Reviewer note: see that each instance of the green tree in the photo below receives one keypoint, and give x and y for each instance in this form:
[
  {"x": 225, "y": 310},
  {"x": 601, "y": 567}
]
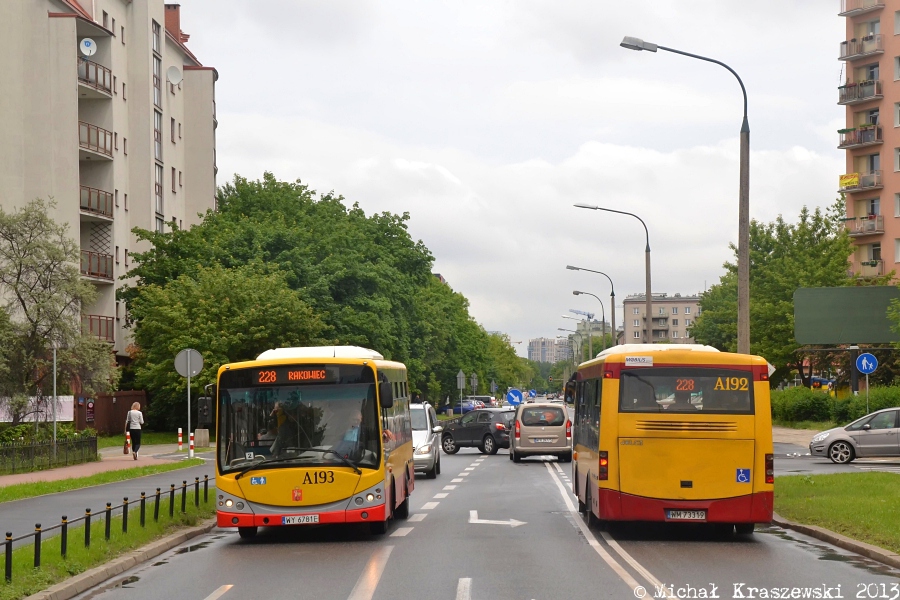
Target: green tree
[{"x": 43, "y": 294}]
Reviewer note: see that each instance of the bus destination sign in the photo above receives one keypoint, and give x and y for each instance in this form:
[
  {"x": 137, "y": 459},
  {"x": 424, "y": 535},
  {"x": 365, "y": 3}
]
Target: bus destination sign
[{"x": 288, "y": 374}]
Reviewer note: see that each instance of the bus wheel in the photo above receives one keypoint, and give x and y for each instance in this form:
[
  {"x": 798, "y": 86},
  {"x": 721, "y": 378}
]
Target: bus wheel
[
  {"x": 402, "y": 511},
  {"x": 745, "y": 528},
  {"x": 247, "y": 533},
  {"x": 378, "y": 527}
]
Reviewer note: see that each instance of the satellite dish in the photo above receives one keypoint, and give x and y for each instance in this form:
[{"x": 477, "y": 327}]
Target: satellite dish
[
  {"x": 88, "y": 47},
  {"x": 173, "y": 75}
]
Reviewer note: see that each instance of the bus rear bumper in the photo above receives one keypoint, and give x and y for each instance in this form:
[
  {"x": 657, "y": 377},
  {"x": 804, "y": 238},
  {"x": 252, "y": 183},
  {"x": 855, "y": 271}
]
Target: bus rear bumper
[
  {"x": 362, "y": 515},
  {"x": 752, "y": 508}
]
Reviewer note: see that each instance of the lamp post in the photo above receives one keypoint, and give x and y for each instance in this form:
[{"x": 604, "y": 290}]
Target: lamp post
[
  {"x": 612, "y": 299},
  {"x": 590, "y": 332},
  {"x": 602, "y": 312},
  {"x": 649, "y": 300},
  {"x": 580, "y": 339},
  {"x": 743, "y": 317}
]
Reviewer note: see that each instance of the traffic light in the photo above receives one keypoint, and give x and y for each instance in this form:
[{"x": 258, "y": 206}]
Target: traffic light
[{"x": 550, "y": 378}]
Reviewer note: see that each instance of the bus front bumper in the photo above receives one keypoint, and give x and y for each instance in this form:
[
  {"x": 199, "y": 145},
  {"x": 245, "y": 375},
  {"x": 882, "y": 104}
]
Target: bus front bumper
[
  {"x": 360, "y": 515},
  {"x": 752, "y": 508}
]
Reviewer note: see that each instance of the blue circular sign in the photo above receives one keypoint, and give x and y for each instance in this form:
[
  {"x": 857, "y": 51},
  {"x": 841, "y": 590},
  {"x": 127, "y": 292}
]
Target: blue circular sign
[
  {"x": 866, "y": 363},
  {"x": 514, "y": 397}
]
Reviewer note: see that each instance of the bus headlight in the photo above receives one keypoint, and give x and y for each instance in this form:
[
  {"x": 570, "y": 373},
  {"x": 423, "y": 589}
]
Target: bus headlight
[
  {"x": 229, "y": 502},
  {"x": 370, "y": 496}
]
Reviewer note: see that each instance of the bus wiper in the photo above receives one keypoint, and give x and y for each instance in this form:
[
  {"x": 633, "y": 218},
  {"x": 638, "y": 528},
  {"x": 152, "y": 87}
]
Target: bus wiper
[{"x": 262, "y": 464}]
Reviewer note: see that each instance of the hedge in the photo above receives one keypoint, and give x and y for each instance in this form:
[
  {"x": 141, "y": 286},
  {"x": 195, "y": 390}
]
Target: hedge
[{"x": 804, "y": 404}]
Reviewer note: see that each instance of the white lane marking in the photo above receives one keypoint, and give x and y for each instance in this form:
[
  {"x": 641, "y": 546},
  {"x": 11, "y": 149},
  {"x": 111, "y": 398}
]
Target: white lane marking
[
  {"x": 457, "y": 480},
  {"x": 473, "y": 518},
  {"x": 558, "y": 468},
  {"x": 429, "y": 505},
  {"x": 450, "y": 487},
  {"x": 589, "y": 536},
  {"x": 416, "y": 518},
  {"x": 441, "y": 495},
  {"x": 401, "y": 531},
  {"x": 631, "y": 561},
  {"x": 470, "y": 468},
  {"x": 464, "y": 589},
  {"x": 219, "y": 592},
  {"x": 371, "y": 575},
  {"x": 463, "y": 474},
  {"x": 475, "y": 464}
]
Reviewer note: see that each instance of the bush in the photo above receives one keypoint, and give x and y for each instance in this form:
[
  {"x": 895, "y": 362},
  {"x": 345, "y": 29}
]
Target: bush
[
  {"x": 879, "y": 397},
  {"x": 801, "y": 404},
  {"x": 28, "y": 433}
]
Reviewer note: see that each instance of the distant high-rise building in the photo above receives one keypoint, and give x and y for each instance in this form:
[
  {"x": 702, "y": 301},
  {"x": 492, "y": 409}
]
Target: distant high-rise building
[
  {"x": 670, "y": 320},
  {"x": 549, "y": 350}
]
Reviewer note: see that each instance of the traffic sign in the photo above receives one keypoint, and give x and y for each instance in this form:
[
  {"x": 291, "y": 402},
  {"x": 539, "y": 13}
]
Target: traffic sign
[
  {"x": 866, "y": 363},
  {"x": 532, "y": 393},
  {"x": 514, "y": 397},
  {"x": 188, "y": 362},
  {"x": 460, "y": 380},
  {"x": 493, "y": 386}
]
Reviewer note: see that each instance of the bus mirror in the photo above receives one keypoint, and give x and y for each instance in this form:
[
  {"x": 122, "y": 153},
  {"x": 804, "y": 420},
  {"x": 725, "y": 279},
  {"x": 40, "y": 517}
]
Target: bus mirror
[{"x": 386, "y": 394}]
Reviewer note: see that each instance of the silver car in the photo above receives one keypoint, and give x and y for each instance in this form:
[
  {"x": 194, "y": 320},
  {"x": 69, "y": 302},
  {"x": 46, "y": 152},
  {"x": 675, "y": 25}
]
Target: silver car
[
  {"x": 877, "y": 434},
  {"x": 426, "y": 439},
  {"x": 540, "y": 429}
]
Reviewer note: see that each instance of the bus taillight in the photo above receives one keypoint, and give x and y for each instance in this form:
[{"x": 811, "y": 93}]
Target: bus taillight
[
  {"x": 770, "y": 468},
  {"x": 568, "y": 430},
  {"x": 518, "y": 431},
  {"x": 603, "y": 471}
]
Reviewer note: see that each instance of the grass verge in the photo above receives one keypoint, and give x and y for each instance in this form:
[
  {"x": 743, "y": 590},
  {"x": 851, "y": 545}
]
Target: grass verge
[
  {"x": 811, "y": 425},
  {"x": 147, "y": 438},
  {"x": 862, "y": 506},
  {"x": 21, "y": 491},
  {"x": 27, "y": 580}
]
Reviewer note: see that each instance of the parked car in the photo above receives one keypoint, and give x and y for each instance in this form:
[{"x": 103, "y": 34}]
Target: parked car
[
  {"x": 484, "y": 428},
  {"x": 876, "y": 434},
  {"x": 426, "y": 435},
  {"x": 540, "y": 429},
  {"x": 467, "y": 405}
]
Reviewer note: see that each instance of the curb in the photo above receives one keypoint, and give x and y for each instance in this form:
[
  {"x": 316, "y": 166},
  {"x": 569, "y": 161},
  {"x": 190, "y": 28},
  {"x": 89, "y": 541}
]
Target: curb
[
  {"x": 84, "y": 581},
  {"x": 868, "y": 550}
]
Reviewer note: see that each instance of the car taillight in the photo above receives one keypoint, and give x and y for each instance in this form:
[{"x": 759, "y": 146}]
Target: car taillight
[
  {"x": 500, "y": 426},
  {"x": 603, "y": 470},
  {"x": 518, "y": 431},
  {"x": 568, "y": 430},
  {"x": 770, "y": 468}
]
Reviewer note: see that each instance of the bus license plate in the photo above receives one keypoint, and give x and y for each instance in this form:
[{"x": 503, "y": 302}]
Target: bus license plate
[
  {"x": 542, "y": 440},
  {"x": 686, "y": 515},
  {"x": 299, "y": 519}
]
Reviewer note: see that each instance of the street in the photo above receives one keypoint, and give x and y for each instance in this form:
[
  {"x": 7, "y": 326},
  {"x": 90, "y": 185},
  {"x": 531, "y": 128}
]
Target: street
[{"x": 490, "y": 528}]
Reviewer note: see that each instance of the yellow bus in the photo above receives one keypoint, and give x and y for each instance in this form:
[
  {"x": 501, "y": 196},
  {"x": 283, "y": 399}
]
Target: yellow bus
[
  {"x": 310, "y": 436},
  {"x": 673, "y": 432}
]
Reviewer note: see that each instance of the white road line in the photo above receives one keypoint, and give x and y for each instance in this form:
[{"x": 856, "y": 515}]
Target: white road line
[
  {"x": 475, "y": 464},
  {"x": 457, "y": 480},
  {"x": 464, "y": 589},
  {"x": 401, "y": 531},
  {"x": 371, "y": 575},
  {"x": 630, "y": 560},
  {"x": 429, "y": 505},
  {"x": 470, "y": 468},
  {"x": 463, "y": 474},
  {"x": 219, "y": 592},
  {"x": 450, "y": 487},
  {"x": 441, "y": 495},
  {"x": 558, "y": 468},
  {"x": 417, "y": 517}
]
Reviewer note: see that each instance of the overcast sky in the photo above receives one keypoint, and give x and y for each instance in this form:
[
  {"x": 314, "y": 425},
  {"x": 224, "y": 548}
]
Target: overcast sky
[{"x": 487, "y": 121}]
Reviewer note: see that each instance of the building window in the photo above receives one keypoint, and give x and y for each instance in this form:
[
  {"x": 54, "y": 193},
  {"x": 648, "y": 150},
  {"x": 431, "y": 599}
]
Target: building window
[
  {"x": 105, "y": 20},
  {"x": 636, "y": 311},
  {"x": 158, "y": 190},
  {"x": 674, "y": 310},
  {"x": 897, "y": 205},
  {"x": 117, "y": 255},
  {"x": 126, "y": 257},
  {"x": 674, "y": 335},
  {"x": 875, "y": 251},
  {"x": 123, "y": 91},
  {"x": 896, "y": 250},
  {"x": 675, "y": 322},
  {"x": 180, "y": 182},
  {"x": 637, "y": 335},
  {"x": 897, "y": 22},
  {"x": 157, "y": 81},
  {"x": 116, "y": 140},
  {"x": 687, "y": 310},
  {"x": 123, "y": 35},
  {"x": 160, "y": 225},
  {"x": 156, "y": 37},
  {"x": 173, "y": 182},
  {"x": 126, "y": 201},
  {"x": 662, "y": 311},
  {"x": 157, "y": 135},
  {"x": 873, "y": 206},
  {"x": 179, "y": 131},
  {"x": 116, "y": 196},
  {"x": 636, "y": 323},
  {"x": 115, "y": 85},
  {"x": 172, "y": 129},
  {"x": 113, "y": 28},
  {"x": 687, "y": 322},
  {"x": 896, "y": 159},
  {"x": 896, "y": 68}
]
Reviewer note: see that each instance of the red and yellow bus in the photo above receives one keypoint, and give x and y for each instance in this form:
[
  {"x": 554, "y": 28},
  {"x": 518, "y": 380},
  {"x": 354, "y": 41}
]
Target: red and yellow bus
[
  {"x": 673, "y": 432},
  {"x": 313, "y": 435}
]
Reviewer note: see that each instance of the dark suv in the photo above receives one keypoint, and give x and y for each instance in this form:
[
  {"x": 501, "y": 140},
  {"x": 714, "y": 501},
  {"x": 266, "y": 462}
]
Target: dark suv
[{"x": 485, "y": 428}]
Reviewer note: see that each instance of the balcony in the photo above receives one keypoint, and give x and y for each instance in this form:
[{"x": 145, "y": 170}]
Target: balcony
[
  {"x": 857, "y": 93},
  {"x": 857, "y": 182},
  {"x": 94, "y": 81},
  {"x": 869, "y": 45},
  {"x": 851, "y": 8},
  {"x": 102, "y": 328},
  {"x": 96, "y": 265},
  {"x": 94, "y": 142},
  {"x": 868, "y": 225},
  {"x": 859, "y": 137},
  {"x": 96, "y": 202},
  {"x": 867, "y": 268}
]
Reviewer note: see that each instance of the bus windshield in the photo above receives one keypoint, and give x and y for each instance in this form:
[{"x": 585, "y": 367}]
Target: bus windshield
[
  {"x": 299, "y": 424},
  {"x": 689, "y": 390}
]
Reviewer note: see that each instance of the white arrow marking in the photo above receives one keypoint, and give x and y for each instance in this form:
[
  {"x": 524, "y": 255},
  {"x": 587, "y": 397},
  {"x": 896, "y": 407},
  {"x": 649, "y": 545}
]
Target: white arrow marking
[{"x": 473, "y": 518}]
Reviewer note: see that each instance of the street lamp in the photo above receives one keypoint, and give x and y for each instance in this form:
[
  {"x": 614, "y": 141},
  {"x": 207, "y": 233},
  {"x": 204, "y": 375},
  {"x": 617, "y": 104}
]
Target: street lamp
[
  {"x": 649, "y": 298},
  {"x": 602, "y": 312},
  {"x": 743, "y": 320},
  {"x": 612, "y": 299}
]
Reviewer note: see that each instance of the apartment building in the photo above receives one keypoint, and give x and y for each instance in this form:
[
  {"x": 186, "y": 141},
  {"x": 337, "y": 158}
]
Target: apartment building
[
  {"x": 548, "y": 349},
  {"x": 106, "y": 111},
  {"x": 670, "y": 319},
  {"x": 872, "y": 192}
]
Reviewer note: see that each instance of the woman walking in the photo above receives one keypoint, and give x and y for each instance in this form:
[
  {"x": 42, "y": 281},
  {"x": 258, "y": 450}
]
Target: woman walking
[{"x": 133, "y": 422}]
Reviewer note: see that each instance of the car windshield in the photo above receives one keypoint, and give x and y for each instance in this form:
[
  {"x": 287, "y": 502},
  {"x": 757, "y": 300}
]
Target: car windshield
[
  {"x": 543, "y": 416},
  {"x": 295, "y": 422},
  {"x": 419, "y": 422},
  {"x": 686, "y": 390}
]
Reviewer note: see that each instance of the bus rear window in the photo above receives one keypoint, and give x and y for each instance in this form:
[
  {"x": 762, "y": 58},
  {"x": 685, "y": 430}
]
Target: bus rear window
[{"x": 690, "y": 390}]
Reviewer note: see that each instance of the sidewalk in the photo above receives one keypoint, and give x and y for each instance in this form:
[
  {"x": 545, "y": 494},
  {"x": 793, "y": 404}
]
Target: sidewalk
[{"x": 797, "y": 437}]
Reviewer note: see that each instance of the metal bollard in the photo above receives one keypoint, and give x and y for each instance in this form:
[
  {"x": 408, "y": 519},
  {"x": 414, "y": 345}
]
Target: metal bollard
[
  {"x": 205, "y": 489},
  {"x": 125, "y": 515},
  {"x": 183, "y": 496},
  {"x": 156, "y": 508},
  {"x": 171, "y": 500},
  {"x": 87, "y": 528},
  {"x": 196, "y": 491},
  {"x": 108, "y": 517},
  {"x": 64, "y": 536},
  {"x": 143, "y": 507},
  {"x": 8, "y": 556},
  {"x": 37, "y": 545}
]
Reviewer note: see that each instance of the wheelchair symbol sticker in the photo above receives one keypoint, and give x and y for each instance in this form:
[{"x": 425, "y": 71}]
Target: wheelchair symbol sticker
[{"x": 743, "y": 476}]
